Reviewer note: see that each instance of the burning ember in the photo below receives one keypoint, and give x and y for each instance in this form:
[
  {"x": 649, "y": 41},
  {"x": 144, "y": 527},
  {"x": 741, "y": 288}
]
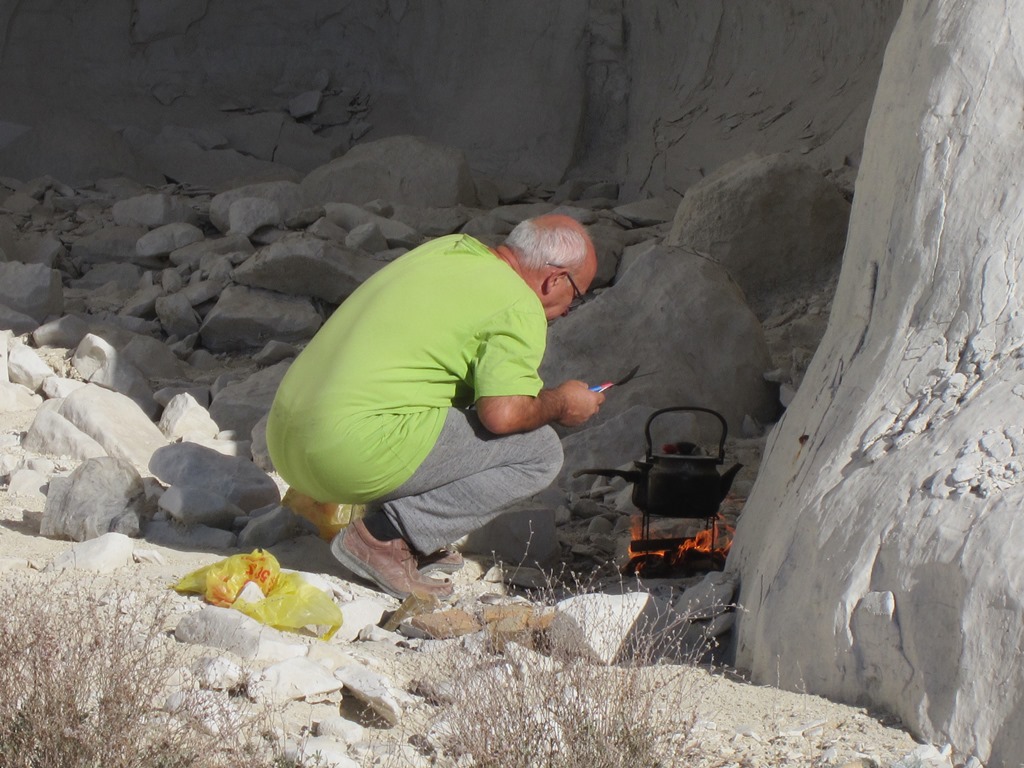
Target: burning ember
[{"x": 705, "y": 551}]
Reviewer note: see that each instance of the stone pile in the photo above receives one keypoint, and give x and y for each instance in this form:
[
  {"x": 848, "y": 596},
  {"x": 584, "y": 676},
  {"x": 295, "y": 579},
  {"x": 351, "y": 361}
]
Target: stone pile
[
  {"x": 146, "y": 330},
  {"x": 147, "y": 317}
]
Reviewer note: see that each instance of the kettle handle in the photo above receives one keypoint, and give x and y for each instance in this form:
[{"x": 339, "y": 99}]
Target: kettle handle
[{"x": 716, "y": 414}]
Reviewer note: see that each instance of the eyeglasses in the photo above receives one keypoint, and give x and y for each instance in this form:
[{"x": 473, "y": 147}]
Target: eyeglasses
[{"x": 577, "y": 294}]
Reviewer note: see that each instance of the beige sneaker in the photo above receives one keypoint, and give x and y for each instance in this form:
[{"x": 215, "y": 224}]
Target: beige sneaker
[{"x": 391, "y": 565}]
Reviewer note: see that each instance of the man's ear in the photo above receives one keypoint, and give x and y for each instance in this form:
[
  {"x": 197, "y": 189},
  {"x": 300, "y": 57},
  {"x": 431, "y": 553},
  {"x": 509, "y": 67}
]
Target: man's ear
[{"x": 549, "y": 283}]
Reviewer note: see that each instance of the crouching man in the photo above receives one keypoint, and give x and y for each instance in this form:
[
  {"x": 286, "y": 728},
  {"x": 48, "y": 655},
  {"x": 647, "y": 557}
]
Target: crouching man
[{"x": 376, "y": 410}]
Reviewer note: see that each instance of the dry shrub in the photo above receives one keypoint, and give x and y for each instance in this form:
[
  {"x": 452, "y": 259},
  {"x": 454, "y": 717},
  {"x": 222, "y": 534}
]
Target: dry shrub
[
  {"x": 83, "y": 678},
  {"x": 556, "y": 708}
]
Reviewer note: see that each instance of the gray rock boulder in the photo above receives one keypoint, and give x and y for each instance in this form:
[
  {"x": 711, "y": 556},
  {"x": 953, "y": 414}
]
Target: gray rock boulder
[
  {"x": 192, "y": 255},
  {"x": 153, "y": 358},
  {"x": 114, "y": 421},
  {"x": 66, "y": 332},
  {"x": 610, "y": 628},
  {"x": 609, "y": 243},
  {"x": 58, "y": 387},
  {"x": 102, "y": 495},
  {"x": 104, "y": 554},
  {"x": 247, "y": 318},
  {"x": 432, "y": 222},
  {"x": 31, "y": 247},
  {"x": 122, "y": 274},
  {"x": 775, "y": 224},
  {"x": 287, "y": 196},
  {"x": 153, "y": 210},
  {"x": 239, "y": 406},
  {"x": 275, "y": 526},
  {"x": 184, "y": 416},
  {"x": 685, "y": 323},
  {"x": 100, "y": 363},
  {"x": 884, "y": 523},
  {"x": 190, "y": 505},
  {"x": 367, "y": 237},
  {"x": 522, "y": 535},
  {"x": 91, "y": 354},
  {"x": 18, "y": 322},
  {"x": 194, "y": 466},
  {"x": 31, "y": 289},
  {"x": 255, "y": 134},
  {"x": 111, "y": 244},
  {"x": 645, "y": 213},
  {"x": 300, "y": 148},
  {"x": 403, "y": 169},
  {"x": 14, "y": 397},
  {"x": 351, "y": 217},
  {"x": 233, "y": 631},
  {"x": 299, "y": 265},
  {"x": 176, "y": 314},
  {"x": 25, "y": 367},
  {"x": 249, "y": 214},
  {"x": 167, "y": 238},
  {"x": 52, "y": 434},
  {"x": 143, "y": 302}
]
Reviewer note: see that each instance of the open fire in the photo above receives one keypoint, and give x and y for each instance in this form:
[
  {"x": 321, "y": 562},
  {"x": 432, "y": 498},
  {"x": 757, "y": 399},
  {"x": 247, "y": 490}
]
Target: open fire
[
  {"x": 683, "y": 556},
  {"x": 680, "y": 482}
]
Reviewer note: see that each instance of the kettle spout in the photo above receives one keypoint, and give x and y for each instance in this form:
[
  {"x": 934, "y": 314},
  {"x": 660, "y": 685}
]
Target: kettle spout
[{"x": 725, "y": 481}]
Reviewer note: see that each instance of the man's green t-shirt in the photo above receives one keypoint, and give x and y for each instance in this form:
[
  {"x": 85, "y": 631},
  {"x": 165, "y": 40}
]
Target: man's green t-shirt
[{"x": 363, "y": 404}]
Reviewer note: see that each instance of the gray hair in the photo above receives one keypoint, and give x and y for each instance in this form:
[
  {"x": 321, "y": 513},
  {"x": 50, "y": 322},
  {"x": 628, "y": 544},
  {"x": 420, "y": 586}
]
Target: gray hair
[{"x": 538, "y": 245}]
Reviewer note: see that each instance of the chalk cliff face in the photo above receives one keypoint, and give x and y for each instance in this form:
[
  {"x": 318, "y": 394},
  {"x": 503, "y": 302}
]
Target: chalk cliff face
[
  {"x": 651, "y": 93},
  {"x": 885, "y": 523}
]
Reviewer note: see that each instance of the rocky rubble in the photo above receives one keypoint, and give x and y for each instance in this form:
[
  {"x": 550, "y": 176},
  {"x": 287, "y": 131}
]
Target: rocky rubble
[{"x": 148, "y": 327}]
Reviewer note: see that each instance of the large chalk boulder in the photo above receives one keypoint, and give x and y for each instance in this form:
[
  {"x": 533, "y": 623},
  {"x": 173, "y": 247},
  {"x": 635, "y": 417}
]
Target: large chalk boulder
[{"x": 880, "y": 554}]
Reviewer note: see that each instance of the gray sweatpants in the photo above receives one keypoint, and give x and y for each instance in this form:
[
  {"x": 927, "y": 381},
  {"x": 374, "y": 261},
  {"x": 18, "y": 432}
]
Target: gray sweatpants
[{"x": 468, "y": 478}]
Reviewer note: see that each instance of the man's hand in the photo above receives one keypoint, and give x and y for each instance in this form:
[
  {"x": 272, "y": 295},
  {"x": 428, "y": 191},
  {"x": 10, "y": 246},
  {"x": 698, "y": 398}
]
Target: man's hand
[
  {"x": 579, "y": 403},
  {"x": 569, "y": 404}
]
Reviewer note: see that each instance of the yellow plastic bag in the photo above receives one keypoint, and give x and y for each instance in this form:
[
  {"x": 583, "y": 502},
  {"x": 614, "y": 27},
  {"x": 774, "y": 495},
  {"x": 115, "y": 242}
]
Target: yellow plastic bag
[
  {"x": 294, "y": 603},
  {"x": 289, "y": 602},
  {"x": 327, "y": 517},
  {"x": 221, "y": 582}
]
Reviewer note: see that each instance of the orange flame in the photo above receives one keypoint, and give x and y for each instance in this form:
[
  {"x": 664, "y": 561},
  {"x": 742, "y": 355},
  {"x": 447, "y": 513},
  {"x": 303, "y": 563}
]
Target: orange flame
[{"x": 715, "y": 541}]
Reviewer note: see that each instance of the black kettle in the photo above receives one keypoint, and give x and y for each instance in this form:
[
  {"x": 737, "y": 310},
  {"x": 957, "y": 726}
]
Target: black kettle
[{"x": 679, "y": 481}]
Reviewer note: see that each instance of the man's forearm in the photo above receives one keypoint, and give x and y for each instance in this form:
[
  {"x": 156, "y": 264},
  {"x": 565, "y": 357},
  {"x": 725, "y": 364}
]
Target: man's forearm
[
  {"x": 508, "y": 414},
  {"x": 570, "y": 404}
]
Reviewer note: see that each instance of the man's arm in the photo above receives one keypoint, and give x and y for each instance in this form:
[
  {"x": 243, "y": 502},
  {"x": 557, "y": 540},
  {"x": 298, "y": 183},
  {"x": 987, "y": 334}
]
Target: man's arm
[{"x": 569, "y": 404}]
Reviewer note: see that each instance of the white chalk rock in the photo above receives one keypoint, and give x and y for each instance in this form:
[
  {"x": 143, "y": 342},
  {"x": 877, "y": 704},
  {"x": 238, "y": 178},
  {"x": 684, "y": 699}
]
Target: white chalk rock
[{"x": 104, "y": 554}]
